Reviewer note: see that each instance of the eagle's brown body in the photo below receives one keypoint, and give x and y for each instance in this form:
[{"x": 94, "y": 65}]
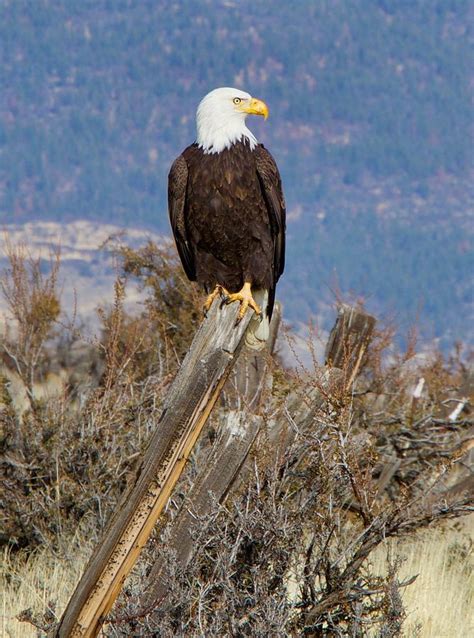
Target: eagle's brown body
[{"x": 228, "y": 217}]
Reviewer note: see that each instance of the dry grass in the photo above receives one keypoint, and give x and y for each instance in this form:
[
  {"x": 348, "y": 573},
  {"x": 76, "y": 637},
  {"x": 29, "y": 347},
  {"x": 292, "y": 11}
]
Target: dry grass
[
  {"x": 32, "y": 581},
  {"x": 439, "y": 603}
]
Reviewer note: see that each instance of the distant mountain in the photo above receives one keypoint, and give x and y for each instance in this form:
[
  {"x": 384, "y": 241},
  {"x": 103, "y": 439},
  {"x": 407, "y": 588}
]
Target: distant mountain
[
  {"x": 87, "y": 273},
  {"x": 370, "y": 120}
]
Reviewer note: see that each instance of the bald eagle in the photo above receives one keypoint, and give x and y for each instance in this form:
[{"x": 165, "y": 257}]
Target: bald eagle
[{"x": 227, "y": 209}]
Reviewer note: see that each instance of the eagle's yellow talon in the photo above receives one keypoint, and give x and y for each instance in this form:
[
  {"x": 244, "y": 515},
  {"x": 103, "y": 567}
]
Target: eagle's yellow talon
[
  {"x": 218, "y": 291},
  {"x": 244, "y": 297}
]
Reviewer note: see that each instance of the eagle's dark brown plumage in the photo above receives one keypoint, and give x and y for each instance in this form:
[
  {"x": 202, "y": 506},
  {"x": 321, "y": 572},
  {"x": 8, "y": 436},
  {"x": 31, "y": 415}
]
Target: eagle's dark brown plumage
[
  {"x": 228, "y": 217},
  {"x": 227, "y": 209}
]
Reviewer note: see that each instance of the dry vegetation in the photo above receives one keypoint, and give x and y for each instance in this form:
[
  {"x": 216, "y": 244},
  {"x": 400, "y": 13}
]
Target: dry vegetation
[
  {"x": 439, "y": 601},
  {"x": 296, "y": 549},
  {"x": 436, "y": 603}
]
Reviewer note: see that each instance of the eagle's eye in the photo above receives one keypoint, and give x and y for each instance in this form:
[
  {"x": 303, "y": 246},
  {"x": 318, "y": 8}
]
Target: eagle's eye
[{"x": 237, "y": 100}]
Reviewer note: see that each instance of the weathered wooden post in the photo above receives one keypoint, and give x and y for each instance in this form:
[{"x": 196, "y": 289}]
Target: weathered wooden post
[
  {"x": 348, "y": 341},
  {"x": 192, "y": 395},
  {"x": 217, "y": 474}
]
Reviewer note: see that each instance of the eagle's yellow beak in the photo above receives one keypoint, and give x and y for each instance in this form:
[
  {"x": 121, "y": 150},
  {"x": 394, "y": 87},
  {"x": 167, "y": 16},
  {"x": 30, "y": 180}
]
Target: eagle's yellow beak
[{"x": 256, "y": 107}]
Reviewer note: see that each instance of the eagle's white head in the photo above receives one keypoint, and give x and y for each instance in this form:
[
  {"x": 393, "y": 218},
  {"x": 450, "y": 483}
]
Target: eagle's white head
[{"x": 220, "y": 119}]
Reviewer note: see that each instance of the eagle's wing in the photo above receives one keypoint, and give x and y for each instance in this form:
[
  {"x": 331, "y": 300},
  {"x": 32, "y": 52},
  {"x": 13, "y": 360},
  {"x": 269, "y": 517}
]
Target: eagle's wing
[
  {"x": 270, "y": 182},
  {"x": 177, "y": 184}
]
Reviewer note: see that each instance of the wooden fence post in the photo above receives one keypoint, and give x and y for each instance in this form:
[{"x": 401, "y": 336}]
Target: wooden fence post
[
  {"x": 185, "y": 411},
  {"x": 348, "y": 341},
  {"x": 218, "y": 472}
]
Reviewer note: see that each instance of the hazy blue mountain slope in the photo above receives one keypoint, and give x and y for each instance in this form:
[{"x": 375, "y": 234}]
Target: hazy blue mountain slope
[{"x": 370, "y": 116}]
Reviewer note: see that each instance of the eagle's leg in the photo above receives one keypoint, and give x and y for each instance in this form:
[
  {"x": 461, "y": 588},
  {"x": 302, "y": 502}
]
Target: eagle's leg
[
  {"x": 244, "y": 297},
  {"x": 218, "y": 291}
]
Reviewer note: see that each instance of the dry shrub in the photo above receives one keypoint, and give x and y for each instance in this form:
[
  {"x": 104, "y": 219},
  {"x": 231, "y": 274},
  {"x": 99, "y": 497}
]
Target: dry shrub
[
  {"x": 335, "y": 473},
  {"x": 67, "y": 456},
  {"x": 287, "y": 554},
  {"x": 33, "y": 304},
  {"x": 173, "y": 303}
]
